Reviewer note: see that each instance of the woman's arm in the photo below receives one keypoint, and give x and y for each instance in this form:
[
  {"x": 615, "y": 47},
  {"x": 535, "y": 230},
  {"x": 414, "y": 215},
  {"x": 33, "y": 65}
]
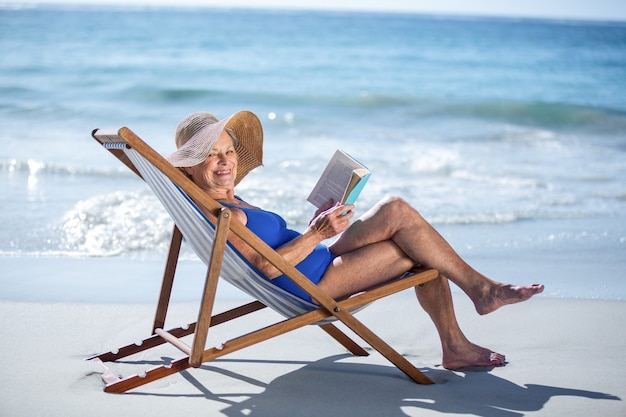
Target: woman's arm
[{"x": 325, "y": 225}]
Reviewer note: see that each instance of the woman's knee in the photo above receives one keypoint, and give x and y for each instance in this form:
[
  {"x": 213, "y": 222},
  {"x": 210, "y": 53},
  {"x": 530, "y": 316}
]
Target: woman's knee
[{"x": 398, "y": 207}]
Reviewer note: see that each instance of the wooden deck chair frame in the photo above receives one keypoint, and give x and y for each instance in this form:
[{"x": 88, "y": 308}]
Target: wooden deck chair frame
[{"x": 197, "y": 353}]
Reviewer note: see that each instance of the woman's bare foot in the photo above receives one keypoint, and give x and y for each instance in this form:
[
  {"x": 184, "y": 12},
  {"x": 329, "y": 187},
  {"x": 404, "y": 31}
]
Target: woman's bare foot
[
  {"x": 471, "y": 356},
  {"x": 503, "y": 294}
]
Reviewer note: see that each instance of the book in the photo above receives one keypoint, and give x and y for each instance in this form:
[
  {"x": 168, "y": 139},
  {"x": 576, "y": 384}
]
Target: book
[{"x": 342, "y": 181}]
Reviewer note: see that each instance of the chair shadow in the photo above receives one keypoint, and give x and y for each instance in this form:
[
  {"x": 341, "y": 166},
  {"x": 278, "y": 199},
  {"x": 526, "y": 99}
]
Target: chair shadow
[{"x": 332, "y": 387}]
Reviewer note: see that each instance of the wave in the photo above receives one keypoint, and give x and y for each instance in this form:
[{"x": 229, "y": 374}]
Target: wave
[
  {"x": 169, "y": 95},
  {"x": 542, "y": 114},
  {"x": 536, "y": 114},
  {"x": 351, "y": 104},
  {"x": 545, "y": 114},
  {"x": 40, "y": 168},
  {"x": 134, "y": 224},
  {"x": 115, "y": 224}
]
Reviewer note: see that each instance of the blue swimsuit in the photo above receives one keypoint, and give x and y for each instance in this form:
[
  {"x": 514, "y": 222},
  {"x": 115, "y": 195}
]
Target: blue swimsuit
[{"x": 272, "y": 229}]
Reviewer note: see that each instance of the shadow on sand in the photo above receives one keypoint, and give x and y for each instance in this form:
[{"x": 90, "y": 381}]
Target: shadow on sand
[{"x": 332, "y": 387}]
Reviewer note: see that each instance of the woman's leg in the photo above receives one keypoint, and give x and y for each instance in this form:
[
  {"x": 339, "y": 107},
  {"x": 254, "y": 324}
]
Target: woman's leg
[
  {"x": 363, "y": 268},
  {"x": 394, "y": 219},
  {"x": 458, "y": 352},
  {"x": 379, "y": 262}
]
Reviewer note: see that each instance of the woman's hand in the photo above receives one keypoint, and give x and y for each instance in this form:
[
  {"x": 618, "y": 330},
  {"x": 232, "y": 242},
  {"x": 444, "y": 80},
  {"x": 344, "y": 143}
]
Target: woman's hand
[
  {"x": 322, "y": 209},
  {"x": 327, "y": 223},
  {"x": 331, "y": 220}
]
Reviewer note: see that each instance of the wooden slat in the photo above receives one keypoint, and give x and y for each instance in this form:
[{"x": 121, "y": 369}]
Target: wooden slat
[
  {"x": 153, "y": 374},
  {"x": 179, "y": 332},
  {"x": 108, "y": 135},
  {"x": 174, "y": 341},
  {"x": 210, "y": 287},
  {"x": 342, "y": 338},
  {"x": 168, "y": 279}
]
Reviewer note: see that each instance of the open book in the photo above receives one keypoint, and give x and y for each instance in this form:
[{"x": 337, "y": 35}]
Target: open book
[{"x": 342, "y": 181}]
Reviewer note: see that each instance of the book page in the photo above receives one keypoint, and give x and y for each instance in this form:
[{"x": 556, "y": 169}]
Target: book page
[{"x": 335, "y": 179}]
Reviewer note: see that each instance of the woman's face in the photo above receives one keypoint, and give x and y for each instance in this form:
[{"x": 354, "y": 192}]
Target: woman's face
[{"x": 219, "y": 169}]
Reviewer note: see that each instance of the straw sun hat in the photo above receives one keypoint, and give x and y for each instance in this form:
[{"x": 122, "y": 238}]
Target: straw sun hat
[{"x": 197, "y": 133}]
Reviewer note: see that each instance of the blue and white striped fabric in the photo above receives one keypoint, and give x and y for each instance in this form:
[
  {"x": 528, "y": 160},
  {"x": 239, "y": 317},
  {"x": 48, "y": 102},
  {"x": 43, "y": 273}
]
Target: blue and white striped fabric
[{"x": 199, "y": 233}]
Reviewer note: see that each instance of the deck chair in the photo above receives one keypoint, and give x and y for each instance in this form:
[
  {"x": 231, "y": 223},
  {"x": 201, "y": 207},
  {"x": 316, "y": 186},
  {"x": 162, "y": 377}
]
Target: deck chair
[{"x": 182, "y": 199}]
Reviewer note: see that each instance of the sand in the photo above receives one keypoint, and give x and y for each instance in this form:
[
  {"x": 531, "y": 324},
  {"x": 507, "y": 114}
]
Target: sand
[{"x": 565, "y": 357}]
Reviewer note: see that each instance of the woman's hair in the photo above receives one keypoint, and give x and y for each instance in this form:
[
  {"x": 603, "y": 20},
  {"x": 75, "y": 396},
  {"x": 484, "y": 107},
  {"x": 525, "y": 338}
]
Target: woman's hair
[
  {"x": 184, "y": 171},
  {"x": 232, "y": 135}
]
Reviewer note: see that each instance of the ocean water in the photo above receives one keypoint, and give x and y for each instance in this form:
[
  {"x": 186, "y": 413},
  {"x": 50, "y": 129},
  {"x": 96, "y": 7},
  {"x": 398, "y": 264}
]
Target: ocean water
[{"x": 509, "y": 135}]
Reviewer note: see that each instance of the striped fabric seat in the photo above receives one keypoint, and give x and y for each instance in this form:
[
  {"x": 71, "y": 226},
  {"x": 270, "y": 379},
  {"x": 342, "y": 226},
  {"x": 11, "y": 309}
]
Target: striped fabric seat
[{"x": 199, "y": 232}]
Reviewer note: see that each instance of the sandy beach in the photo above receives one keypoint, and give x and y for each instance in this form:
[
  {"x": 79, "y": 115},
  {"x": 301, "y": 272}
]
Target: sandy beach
[{"x": 564, "y": 357}]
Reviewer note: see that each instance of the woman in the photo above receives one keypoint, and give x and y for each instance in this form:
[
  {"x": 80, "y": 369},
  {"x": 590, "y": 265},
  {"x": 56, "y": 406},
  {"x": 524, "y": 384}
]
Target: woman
[{"x": 387, "y": 241}]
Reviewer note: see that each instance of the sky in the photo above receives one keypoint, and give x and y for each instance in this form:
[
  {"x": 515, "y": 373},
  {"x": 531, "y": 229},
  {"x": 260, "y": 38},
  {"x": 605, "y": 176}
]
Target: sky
[{"x": 566, "y": 9}]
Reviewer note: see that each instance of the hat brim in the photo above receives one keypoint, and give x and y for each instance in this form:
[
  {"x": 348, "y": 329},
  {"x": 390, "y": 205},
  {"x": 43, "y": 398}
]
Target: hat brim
[{"x": 249, "y": 132}]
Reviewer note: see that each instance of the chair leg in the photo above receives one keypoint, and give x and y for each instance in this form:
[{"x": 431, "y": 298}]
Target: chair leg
[
  {"x": 387, "y": 351},
  {"x": 210, "y": 288},
  {"x": 168, "y": 280},
  {"x": 342, "y": 338}
]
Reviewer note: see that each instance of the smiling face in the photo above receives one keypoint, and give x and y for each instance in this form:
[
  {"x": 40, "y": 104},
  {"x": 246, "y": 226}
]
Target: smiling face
[{"x": 218, "y": 171}]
